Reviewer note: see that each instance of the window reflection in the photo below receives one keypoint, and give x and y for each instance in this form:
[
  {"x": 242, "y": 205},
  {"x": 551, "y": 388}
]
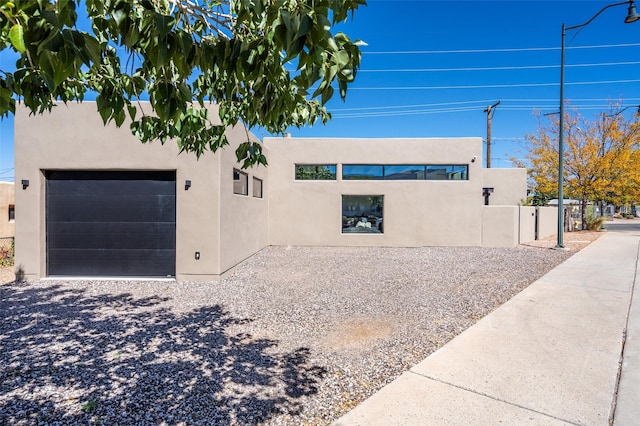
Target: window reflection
[
  {"x": 362, "y": 214},
  {"x": 315, "y": 172},
  {"x": 362, "y": 172},
  {"x": 240, "y": 182},
  {"x": 448, "y": 172},
  {"x": 404, "y": 172}
]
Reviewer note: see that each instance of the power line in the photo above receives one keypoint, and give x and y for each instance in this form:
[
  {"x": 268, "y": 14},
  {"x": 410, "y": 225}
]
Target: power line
[
  {"x": 410, "y": 106},
  {"x": 451, "y": 110},
  {"x": 480, "y": 101},
  {"x": 522, "y": 49},
  {"x": 502, "y": 68},
  {"x": 493, "y": 86},
  {"x": 401, "y": 113}
]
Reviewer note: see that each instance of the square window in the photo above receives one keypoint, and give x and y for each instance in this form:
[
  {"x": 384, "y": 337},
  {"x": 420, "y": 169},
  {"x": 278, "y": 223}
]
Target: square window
[
  {"x": 257, "y": 187},
  {"x": 362, "y": 214},
  {"x": 240, "y": 182}
]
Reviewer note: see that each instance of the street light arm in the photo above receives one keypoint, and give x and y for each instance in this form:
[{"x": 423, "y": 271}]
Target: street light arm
[
  {"x": 624, "y": 109},
  {"x": 630, "y": 2}
]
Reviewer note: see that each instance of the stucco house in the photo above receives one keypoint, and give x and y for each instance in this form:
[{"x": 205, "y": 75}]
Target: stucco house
[
  {"x": 97, "y": 202},
  {"x": 7, "y": 209}
]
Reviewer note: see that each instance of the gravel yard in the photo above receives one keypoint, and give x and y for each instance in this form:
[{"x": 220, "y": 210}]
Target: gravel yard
[{"x": 293, "y": 335}]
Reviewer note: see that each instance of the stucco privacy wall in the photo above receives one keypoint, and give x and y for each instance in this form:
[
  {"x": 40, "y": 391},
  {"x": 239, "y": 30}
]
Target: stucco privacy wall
[
  {"x": 73, "y": 137},
  {"x": 510, "y": 186},
  {"x": 500, "y": 226},
  {"x": 526, "y": 224},
  {"x": 416, "y": 213},
  {"x": 7, "y": 200},
  {"x": 547, "y": 221}
]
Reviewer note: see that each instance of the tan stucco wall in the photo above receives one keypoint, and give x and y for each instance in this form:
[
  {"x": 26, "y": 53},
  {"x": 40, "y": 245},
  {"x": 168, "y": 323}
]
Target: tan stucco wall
[
  {"x": 500, "y": 226},
  {"x": 416, "y": 213},
  {"x": 547, "y": 221},
  {"x": 73, "y": 138},
  {"x": 510, "y": 186},
  {"x": 7, "y": 198},
  {"x": 227, "y": 228},
  {"x": 527, "y": 225},
  {"x": 243, "y": 218}
]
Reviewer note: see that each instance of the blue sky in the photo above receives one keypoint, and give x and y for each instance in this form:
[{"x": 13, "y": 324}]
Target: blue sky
[{"x": 431, "y": 68}]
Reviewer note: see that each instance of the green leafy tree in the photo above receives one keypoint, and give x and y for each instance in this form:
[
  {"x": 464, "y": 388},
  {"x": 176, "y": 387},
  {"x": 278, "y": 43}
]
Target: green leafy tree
[{"x": 181, "y": 54}]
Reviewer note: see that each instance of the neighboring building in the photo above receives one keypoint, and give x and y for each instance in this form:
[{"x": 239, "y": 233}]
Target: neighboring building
[
  {"x": 100, "y": 203},
  {"x": 7, "y": 209}
]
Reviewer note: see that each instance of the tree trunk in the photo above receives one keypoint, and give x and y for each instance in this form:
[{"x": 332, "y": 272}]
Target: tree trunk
[{"x": 583, "y": 213}]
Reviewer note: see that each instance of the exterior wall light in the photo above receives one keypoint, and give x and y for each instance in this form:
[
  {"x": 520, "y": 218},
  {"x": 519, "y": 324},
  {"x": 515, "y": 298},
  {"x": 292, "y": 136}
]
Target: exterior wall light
[
  {"x": 486, "y": 193},
  {"x": 187, "y": 184},
  {"x": 25, "y": 183}
]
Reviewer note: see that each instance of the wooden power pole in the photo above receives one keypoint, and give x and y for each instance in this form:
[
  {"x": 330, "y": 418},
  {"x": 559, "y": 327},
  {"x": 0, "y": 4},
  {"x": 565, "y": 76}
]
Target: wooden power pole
[{"x": 490, "y": 110}]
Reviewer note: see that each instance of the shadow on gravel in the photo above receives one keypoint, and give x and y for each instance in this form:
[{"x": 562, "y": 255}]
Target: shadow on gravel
[{"x": 75, "y": 358}]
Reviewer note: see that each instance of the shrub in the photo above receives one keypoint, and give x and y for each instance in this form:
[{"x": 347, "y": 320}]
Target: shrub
[{"x": 594, "y": 223}]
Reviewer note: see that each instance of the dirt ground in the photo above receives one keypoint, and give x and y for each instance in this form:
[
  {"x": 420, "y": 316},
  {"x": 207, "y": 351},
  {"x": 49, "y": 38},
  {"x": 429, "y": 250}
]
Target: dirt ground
[
  {"x": 574, "y": 241},
  {"x": 7, "y": 275}
]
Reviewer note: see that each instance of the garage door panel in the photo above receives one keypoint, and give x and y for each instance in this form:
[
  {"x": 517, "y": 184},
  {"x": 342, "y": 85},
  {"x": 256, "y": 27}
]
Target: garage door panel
[
  {"x": 111, "y": 223},
  {"x": 135, "y": 188},
  {"x": 112, "y": 235},
  {"x": 95, "y": 208},
  {"x": 114, "y": 263}
]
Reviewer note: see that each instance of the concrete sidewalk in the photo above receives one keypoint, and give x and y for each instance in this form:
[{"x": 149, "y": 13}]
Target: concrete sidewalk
[{"x": 551, "y": 355}]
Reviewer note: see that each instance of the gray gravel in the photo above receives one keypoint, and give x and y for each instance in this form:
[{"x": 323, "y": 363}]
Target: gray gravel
[{"x": 291, "y": 336}]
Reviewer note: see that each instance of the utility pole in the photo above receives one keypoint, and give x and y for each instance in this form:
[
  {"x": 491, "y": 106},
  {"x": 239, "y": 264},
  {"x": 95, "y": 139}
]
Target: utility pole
[{"x": 490, "y": 110}]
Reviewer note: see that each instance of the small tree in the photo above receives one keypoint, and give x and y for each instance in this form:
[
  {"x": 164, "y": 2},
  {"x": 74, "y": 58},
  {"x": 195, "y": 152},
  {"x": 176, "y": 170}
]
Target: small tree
[
  {"x": 181, "y": 54},
  {"x": 600, "y": 159}
]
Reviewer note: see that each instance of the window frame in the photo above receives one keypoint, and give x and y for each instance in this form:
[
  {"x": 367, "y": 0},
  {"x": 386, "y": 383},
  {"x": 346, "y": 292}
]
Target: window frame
[
  {"x": 260, "y": 185},
  {"x": 11, "y": 212},
  {"x": 414, "y": 166},
  {"x": 316, "y": 176},
  {"x": 364, "y": 177},
  {"x": 244, "y": 187},
  {"x": 356, "y": 220},
  {"x": 447, "y": 172}
]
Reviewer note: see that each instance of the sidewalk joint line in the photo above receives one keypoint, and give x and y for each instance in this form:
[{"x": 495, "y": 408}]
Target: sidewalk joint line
[{"x": 494, "y": 398}]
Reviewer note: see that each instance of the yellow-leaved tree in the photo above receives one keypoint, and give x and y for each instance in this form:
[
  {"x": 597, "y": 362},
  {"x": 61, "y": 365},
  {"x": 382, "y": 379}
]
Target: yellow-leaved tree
[{"x": 601, "y": 158}]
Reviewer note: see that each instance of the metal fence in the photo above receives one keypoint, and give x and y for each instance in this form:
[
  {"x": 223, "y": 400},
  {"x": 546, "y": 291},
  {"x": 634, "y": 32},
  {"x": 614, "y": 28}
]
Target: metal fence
[{"x": 7, "y": 246}]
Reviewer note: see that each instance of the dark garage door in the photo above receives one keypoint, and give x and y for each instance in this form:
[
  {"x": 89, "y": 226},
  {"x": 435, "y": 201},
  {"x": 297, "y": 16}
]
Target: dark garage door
[{"x": 111, "y": 223}]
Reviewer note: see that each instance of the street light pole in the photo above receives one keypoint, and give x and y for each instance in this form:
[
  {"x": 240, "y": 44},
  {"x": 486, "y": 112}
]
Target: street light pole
[
  {"x": 632, "y": 16},
  {"x": 560, "y": 242}
]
